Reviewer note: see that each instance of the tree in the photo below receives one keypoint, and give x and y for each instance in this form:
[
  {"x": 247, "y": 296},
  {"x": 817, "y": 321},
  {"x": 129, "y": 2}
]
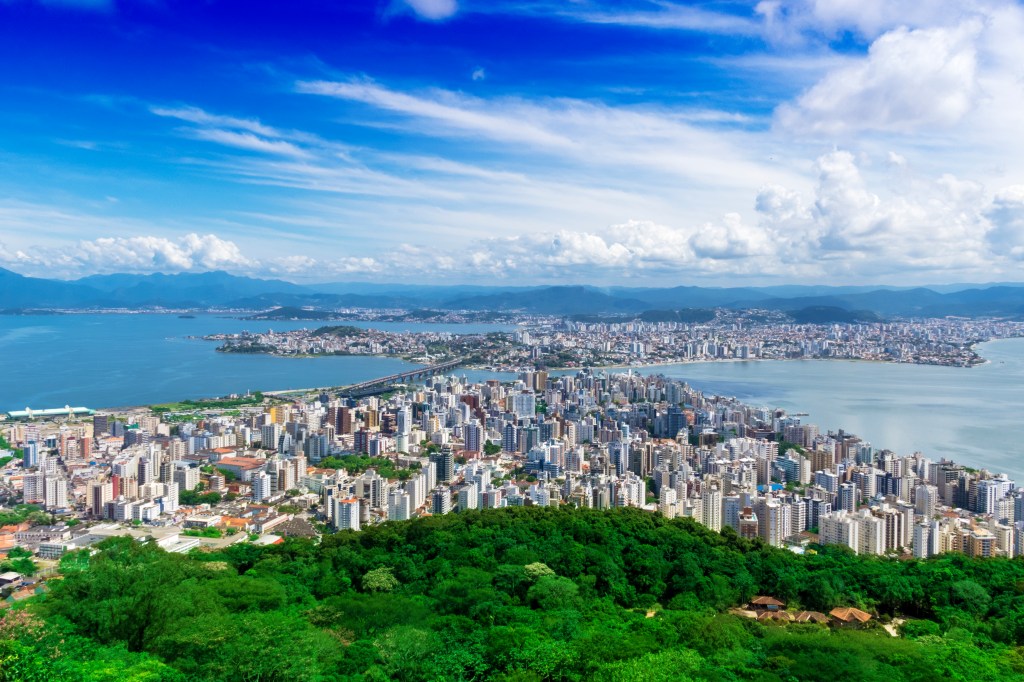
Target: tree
[
  {"x": 552, "y": 592},
  {"x": 380, "y": 580},
  {"x": 527, "y": 593},
  {"x": 18, "y": 553},
  {"x": 536, "y": 571},
  {"x": 23, "y": 565}
]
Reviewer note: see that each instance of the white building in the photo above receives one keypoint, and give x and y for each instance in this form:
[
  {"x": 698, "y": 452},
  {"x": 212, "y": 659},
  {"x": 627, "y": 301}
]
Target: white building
[
  {"x": 262, "y": 486},
  {"x": 346, "y": 513}
]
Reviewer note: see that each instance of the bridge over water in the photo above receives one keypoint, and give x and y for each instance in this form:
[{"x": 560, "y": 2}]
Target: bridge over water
[{"x": 384, "y": 384}]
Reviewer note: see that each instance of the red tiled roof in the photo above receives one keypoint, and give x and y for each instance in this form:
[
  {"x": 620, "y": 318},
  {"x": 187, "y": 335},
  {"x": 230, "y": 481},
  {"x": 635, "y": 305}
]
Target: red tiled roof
[
  {"x": 811, "y": 617},
  {"x": 850, "y": 614}
]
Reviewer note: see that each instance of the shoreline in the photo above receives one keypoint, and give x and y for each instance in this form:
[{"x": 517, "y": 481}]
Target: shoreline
[
  {"x": 624, "y": 367},
  {"x": 973, "y": 456},
  {"x": 475, "y": 368}
]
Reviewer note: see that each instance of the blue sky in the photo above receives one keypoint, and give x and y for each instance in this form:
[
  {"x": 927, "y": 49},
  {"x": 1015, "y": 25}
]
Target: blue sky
[{"x": 629, "y": 142}]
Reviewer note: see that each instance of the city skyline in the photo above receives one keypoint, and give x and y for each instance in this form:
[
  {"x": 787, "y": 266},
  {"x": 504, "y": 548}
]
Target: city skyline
[{"x": 722, "y": 144}]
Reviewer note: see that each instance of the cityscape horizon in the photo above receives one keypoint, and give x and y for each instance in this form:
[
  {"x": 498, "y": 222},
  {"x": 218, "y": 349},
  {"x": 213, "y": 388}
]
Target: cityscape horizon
[{"x": 511, "y": 340}]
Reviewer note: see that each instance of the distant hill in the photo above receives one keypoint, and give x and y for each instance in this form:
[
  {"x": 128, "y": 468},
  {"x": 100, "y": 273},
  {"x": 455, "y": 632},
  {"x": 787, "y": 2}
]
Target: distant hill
[
  {"x": 824, "y": 314},
  {"x": 292, "y": 313},
  {"x": 224, "y": 290},
  {"x": 687, "y": 315},
  {"x": 692, "y": 297},
  {"x": 556, "y": 300},
  {"x": 199, "y": 289},
  {"x": 18, "y": 291}
]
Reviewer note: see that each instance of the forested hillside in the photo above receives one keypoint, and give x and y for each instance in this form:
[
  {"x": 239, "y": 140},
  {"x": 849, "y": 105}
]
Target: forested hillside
[{"x": 513, "y": 594}]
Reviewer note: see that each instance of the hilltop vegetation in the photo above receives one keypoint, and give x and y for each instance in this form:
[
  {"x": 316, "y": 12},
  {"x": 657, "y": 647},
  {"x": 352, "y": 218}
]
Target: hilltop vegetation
[
  {"x": 341, "y": 331},
  {"x": 255, "y": 398},
  {"x": 513, "y": 594},
  {"x": 292, "y": 313},
  {"x": 827, "y": 314}
]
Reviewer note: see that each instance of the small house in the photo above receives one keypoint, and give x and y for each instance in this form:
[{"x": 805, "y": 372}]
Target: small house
[
  {"x": 849, "y": 617},
  {"x": 767, "y": 604},
  {"x": 9, "y": 578},
  {"x": 811, "y": 617}
]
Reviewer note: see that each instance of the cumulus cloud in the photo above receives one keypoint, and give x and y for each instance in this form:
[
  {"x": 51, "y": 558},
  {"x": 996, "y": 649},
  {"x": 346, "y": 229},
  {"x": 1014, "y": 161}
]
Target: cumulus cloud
[
  {"x": 731, "y": 239},
  {"x": 847, "y": 228},
  {"x": 136, "y": 254},
  {"x": 157, "y": 254},
  {"x": 846, "y": 211},
  {"x": 934, "y": 224},
  {"x": 433, "y": 10},
  {"x": 1006, "y": 215},
  {"x": 910, "y": 80}
]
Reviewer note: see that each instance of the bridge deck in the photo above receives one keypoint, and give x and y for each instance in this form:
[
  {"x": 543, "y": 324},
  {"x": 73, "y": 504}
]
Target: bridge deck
[{"x": 403, "y": 376}]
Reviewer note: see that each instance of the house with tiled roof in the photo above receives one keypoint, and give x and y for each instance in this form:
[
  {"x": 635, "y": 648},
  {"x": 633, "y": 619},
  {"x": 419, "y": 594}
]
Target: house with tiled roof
[
  {"x": 763, "y": 603},
  {"x": 849, "y": 617}
]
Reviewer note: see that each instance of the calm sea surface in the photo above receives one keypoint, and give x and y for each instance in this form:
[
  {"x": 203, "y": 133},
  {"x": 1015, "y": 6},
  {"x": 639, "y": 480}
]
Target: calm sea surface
[
  {"x": 115, "y": 360},
  {"x": 972, "y": 415},
  {"x": 975, "y": 415}
]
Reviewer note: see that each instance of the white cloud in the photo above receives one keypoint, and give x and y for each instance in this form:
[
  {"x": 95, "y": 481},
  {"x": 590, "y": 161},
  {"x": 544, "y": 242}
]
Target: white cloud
[
  {"x": 1007, "y": 217},
  {"x": 662, "y": 16},
  {"x": 479, "y": 74},
  {"x": 786, "y": 20},
  {"x": 851, "y": 223},
  {"x": 197, "y": 115},
  {"x": 250, "y": 142},
  {"x": 42, "y": 244},
  {"x": 156, "y": 254},
  {"x": 667, "y": 144},
  {"x": 433, "y": 10},
  {"x": 454, "y": 111},
  {"x": 731, "y": 239},
  {"x": 909, "y": 81},
  {"x": 248, "y": 133},
  {"x": 780, "y": 22},
  {"x": 933, "y": 225},
  {"x": 844, "y": 230}
]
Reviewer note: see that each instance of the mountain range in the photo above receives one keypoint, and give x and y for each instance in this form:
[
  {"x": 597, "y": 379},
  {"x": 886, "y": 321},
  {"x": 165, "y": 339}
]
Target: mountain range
[{"x": 221, "y": 290}]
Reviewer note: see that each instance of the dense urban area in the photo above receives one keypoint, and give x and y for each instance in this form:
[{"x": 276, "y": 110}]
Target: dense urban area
[
  {"x": 253, "y": 468},
  {"x": 222, "y": 483},
  {"x": 541, "y": 343}
]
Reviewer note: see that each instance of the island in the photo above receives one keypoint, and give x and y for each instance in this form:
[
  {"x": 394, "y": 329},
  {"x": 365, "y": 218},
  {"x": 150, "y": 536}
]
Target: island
[{"x": 543, "y": 342}]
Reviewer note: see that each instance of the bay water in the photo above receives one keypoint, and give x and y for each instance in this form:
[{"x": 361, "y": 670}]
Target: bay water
[{"x": 972, "y": 415}]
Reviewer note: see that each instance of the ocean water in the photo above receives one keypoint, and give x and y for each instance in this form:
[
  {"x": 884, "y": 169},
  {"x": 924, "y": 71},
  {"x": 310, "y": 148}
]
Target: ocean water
[
  {"x": 973, "y": 415},
  {"x": 118, "y": 360}
]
